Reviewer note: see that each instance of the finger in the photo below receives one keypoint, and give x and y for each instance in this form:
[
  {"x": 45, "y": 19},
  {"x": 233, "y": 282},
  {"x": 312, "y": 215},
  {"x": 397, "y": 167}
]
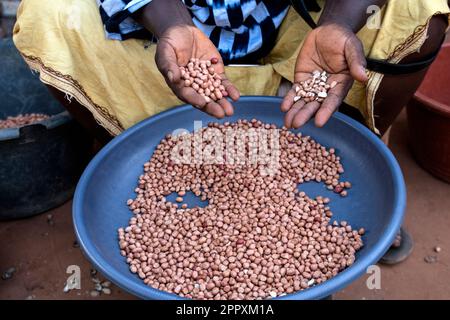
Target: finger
[
  {"x": 328, "y": 107},
  {"x": 233, "y": 92},
  {"x": 288, "y": 100},
  {"x": 305, "y": 114},
  {"x": 226, "y": 106},
  {"x": 167, "y": 63},
  {"x": 354, "y": 54},
  {"x": 215, "y": 110},
  {"x": 189, "y": 95},
  {"x": 332, "y": 102},
  {"x": 289, "y": 117}
]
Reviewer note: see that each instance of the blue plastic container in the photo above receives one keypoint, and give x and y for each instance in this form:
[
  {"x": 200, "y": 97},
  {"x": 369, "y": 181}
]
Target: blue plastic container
[{"x": 376, "y": 201}]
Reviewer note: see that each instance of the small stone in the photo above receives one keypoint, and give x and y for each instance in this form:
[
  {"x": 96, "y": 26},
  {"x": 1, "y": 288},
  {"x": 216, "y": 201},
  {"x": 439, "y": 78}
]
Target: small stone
[
  {"x": 8, "y": 274},
  {"x": 311, "y": 282},
  {"x": 75, "y": 244},
  {"x": 296, "y": 98},
  {"x": 98, "y": 287},
  {"x": 93, "y": 272},
  {"x": 50, "y": 220},
  {"x": 431, "y": 259},
  {"x": 94, "y": 293},
  {"x": 437, "y": 249},
  {"x": 95, "y": 280},
  {"x": 273, "y": 294},
  {"x": 106, "y": 291},
  {"x": 106, "y": 284}
]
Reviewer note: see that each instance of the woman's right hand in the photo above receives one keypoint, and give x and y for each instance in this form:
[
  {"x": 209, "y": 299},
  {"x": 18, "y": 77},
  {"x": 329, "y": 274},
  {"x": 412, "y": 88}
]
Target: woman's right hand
[{"x": 176, "y": 46}]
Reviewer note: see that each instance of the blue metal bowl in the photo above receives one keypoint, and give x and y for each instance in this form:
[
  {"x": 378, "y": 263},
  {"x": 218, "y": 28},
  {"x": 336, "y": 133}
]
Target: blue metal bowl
[{"x": 376, "y": 201}]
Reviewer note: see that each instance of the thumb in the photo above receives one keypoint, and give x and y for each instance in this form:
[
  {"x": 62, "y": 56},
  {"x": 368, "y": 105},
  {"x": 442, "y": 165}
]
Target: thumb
[
  {"x": 354, "y": 54},
  {"x": 167, "y": 63}
]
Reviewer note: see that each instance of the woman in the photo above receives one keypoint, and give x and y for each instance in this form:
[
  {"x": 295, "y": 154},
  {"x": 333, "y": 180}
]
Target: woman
[{"x": 118, "y": 83}]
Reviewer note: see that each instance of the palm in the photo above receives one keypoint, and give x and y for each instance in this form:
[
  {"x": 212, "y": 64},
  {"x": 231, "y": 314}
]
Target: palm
[
  {"x": 323, "y": 51},
  {"x": 190, "y": 42},
  {"x": 175, "y": 48},
  {"x": 331, "y": 49}
]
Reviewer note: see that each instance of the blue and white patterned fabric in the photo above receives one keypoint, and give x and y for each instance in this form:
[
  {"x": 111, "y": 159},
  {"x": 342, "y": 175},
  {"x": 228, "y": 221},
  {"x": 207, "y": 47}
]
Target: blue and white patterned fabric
[{"x": 236, "y": 27}]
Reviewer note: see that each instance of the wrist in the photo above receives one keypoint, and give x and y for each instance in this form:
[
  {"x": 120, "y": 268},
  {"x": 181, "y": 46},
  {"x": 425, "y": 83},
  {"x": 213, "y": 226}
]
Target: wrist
[
  {"x": 336, "y": 23},
  {"x": 154, "y": 16},
  {"x": 333, "y": 26}
]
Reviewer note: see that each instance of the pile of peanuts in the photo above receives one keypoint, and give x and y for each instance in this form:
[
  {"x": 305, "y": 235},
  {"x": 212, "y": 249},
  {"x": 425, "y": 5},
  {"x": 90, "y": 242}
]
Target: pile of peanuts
[
  {"x": 202, "y": 77},
  {"x": 22, "y": 120},
  {"x": 314, "y": 89},
  {"x": 259, "y": 237}
]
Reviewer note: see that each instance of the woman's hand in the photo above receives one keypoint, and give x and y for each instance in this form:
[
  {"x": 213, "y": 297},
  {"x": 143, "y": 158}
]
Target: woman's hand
[
  {"x": 332, "y": 48},
  {"x": 176, "y": 46}
]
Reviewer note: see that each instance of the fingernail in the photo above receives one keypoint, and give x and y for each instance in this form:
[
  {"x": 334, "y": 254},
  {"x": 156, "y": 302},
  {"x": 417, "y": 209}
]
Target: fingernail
[{"x": 170, "y": 76}]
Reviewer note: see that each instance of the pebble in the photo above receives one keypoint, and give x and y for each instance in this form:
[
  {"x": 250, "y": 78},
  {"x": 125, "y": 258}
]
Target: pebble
[
  {"x": 106, "y": 291},
  {"x": 437, "y": 249},
  {"x": 431, "y": 259},
  {"x": 94, "y": 293},
  {"x": 95, "y": 280},
  {"x": 50, "y": 220},
  {"x": 9, "y": 273}
]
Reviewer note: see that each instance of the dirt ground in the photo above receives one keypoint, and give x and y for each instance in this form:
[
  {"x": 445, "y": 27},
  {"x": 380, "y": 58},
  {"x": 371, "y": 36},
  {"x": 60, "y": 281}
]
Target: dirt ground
[{"x": 41, "y": 248}]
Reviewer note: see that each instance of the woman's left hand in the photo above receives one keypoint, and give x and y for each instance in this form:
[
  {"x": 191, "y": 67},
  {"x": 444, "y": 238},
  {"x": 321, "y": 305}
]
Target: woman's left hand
[{"x": 332, "y": 48}]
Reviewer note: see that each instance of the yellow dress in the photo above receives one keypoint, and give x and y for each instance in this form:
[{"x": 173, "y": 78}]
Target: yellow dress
[{"x": 118, "y": 80}]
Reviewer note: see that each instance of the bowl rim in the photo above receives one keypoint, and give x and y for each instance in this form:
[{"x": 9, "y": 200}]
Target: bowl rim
[
  {"x": 52, "y": 122},
  {"x": 316, "y": 292}
]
